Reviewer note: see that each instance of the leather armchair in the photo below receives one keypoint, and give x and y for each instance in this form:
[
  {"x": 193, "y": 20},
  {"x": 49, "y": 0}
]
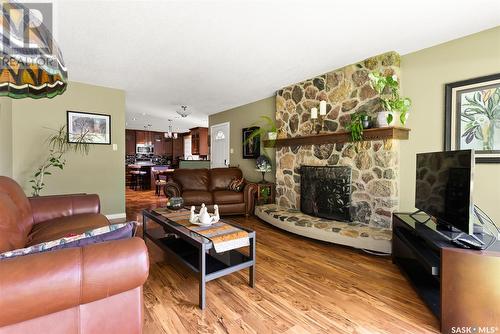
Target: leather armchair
[
  {"x": 210, "y": 186},
  {"x": 91, "y": 289}
]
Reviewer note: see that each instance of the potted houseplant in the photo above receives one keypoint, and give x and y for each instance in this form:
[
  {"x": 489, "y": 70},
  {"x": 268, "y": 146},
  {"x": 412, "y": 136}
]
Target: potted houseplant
[
  {"x": 359, "y": 121},
  {"x": 58, "y": 148},
  {"x": 268, "y": 128},
  {"x": 395, "y": 106}
]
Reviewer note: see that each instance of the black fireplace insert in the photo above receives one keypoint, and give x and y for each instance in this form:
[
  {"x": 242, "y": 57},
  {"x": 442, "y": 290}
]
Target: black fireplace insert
[{"x": 325, "y": 191}]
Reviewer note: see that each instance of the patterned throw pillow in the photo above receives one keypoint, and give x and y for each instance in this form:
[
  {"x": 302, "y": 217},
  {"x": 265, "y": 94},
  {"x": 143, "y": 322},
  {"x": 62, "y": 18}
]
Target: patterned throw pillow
[
  {"x": 101, "y": 234},
  {"x": 237, "y": 184}
]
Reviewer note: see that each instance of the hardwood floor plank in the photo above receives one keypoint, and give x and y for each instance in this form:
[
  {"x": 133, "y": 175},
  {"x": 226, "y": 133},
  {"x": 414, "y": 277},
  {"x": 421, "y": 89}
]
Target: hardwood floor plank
[{"x": 302, "y": 286}]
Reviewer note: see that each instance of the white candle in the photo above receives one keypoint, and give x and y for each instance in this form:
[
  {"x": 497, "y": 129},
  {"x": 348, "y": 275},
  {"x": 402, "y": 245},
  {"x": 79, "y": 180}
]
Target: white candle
[
  {"x": 322, "y": 108},
  {"x": 314, "y": 113}
]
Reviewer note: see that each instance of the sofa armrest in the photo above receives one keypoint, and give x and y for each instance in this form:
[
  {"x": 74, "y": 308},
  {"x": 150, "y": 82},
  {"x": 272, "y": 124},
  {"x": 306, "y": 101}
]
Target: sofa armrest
[
  {"x": 50, "y": 207},
  {"x": 172, "y": 189},
  {"x": 39, "y": 284},
  {"x": 249, "y": 197}
]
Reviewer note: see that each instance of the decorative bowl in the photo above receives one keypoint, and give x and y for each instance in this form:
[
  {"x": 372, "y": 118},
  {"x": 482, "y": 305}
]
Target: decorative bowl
[{"x": 175, "y": 203}]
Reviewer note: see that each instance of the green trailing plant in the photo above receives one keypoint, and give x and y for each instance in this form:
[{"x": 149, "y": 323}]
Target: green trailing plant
[
  {"x": 388, "y": 89},
  {"x": 58, "y": 147},
  {"x": 355, "y": 125}
]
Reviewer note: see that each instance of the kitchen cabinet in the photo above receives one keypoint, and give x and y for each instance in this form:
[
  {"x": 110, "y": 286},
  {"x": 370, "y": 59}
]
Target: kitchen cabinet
[
  {"x": 199, "y": 141},
  {"x": 130, "y": 141},
  {"x": 158, "y": 143},
  {"x": 143, "y": 137}
]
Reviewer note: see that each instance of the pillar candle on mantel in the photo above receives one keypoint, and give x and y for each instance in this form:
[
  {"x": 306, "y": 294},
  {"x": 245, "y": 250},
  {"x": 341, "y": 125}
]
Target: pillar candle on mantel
[
  {"x": 322, "y": 108},
  {"x": 314, "y": 113}
]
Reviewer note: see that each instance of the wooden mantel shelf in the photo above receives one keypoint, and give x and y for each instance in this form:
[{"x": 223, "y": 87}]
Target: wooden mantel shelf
[{"x": 341, "y": 137}]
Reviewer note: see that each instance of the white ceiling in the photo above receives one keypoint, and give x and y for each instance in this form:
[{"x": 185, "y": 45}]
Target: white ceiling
[{"x": 215, "y": 55}]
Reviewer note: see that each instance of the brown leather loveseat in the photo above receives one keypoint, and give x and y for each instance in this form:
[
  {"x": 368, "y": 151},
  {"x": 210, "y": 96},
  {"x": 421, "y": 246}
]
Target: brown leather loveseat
[
  {"x": 210, "y": 186},
  {"x": 91, "y": 289}
]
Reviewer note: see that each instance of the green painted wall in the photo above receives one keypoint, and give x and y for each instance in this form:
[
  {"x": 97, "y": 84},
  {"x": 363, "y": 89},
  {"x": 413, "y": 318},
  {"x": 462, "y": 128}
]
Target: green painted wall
[
  {"x": 424, "y": 74},
  {"x": 243, "y": 117},
  {"x": 101, "y": 172},
  {"x": 5, "y": 136}
]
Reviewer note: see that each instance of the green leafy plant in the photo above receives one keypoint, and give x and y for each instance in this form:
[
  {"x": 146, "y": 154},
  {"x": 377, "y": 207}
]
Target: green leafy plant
[
  {"x": 58, "y": 147},
  {"x": 355, "y": 125},
  {"x": 482, "y": 116},
  {"x": 388, "y": 89},
  {"x": 266, "y": 125},
  {"x": 265, "y": 193}
]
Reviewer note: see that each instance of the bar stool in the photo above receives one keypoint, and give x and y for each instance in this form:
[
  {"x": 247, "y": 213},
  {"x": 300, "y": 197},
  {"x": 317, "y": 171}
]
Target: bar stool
[
  {"x": 137, "y": 179},
  {"x": 160, "y": 181}
]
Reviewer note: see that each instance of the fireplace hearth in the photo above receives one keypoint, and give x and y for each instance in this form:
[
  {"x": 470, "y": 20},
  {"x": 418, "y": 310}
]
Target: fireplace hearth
[{"x": 325, "y": 191}]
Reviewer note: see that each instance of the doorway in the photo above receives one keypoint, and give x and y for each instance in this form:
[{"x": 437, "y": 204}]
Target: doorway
[{"x": 219, "y": 145}]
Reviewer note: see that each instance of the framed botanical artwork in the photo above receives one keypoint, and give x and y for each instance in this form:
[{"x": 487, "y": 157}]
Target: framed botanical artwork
[
  {"x": 96, "y": 127},
  {"x": 251, "y": 144},
  {"x": 473, "y": 117}
]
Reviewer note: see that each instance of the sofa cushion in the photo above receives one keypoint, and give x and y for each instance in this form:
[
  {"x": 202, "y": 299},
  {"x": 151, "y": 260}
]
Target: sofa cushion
[
  {"x": 101, "y": 234},
  {"x": 191, "y": 179},
  {"x": 197, "y": 197},
  {"x": 60, "y": 227},
  {"x": 16, "y": 218},
  {"x": 237, "y": 184},
  {"x": 221, "y": 177},
  {"x": 228, "y": 197}
]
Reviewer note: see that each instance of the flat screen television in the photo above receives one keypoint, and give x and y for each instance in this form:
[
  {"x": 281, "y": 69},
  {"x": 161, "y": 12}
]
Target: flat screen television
[{"x": 444, "y": 188}]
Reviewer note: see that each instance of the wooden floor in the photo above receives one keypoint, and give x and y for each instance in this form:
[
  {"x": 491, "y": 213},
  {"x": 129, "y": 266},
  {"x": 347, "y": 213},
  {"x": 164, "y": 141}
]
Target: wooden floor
[{"x": 303, "y": 286}]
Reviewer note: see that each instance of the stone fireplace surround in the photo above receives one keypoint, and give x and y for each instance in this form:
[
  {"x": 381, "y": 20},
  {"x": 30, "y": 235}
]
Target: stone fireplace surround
[{"x": 375, "y": 164}]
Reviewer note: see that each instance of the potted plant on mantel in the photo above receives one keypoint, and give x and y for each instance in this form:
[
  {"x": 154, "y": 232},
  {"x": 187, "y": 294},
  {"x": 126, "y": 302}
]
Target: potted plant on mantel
[{"x": 395, "y": 106}]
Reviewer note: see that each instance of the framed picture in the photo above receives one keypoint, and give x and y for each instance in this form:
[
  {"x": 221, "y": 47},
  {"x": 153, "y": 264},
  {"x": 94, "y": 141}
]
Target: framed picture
[
  {"x": 251, "y": 147},
  {"x": 97, "y": 127},
  {"x": 472, "y": 119}
]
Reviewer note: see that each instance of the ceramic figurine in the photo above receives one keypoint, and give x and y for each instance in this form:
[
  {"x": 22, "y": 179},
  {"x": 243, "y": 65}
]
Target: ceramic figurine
[
  {"x": 193, "y": 217},
  {"x": 215, "y": 217},
  {"x": 204, "y": 217}
]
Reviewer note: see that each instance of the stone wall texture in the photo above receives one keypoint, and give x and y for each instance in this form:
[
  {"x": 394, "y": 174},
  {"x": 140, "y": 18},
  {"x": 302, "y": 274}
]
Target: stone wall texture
[{"x": 375, "y": 164}]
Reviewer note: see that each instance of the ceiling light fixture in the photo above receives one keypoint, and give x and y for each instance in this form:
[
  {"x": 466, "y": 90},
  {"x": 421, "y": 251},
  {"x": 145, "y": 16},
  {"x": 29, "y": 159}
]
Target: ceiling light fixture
[
  {"x": 170, "y": 134},
  {"x": 183, "y": 112},
  {"x": 36, "y": 71}
]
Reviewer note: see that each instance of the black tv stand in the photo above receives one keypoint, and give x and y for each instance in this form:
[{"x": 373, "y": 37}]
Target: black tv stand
[{"x": 450, "y": 280}]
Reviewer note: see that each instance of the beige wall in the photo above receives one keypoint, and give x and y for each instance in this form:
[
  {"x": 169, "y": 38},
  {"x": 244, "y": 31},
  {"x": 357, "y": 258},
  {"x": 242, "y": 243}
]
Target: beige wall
[
  {"x": 243, "y": 117},
  {"x": 5, "y": 136},
  {"x": 424, "y": 74},
  {"x": 101, "y": 172}
]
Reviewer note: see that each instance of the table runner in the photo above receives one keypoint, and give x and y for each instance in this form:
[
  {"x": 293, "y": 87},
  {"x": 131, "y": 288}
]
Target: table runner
[{"x": 223, "y": 236}]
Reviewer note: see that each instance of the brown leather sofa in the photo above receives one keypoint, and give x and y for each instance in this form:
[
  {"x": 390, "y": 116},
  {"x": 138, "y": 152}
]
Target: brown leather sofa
[
  {"x": 92, "y": 289},
  {"x": 210, "y": 186}
]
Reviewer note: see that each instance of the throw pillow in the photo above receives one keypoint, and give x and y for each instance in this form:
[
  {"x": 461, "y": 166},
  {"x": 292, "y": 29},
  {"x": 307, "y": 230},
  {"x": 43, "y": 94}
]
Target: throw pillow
[
  {"x": 237, "y": 184},
  {"x": 101, "y": 234}
]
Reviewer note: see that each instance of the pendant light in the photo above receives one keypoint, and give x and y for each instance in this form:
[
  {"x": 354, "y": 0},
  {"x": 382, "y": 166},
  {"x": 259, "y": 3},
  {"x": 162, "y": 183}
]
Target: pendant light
[{"x": 31, "y": 63}]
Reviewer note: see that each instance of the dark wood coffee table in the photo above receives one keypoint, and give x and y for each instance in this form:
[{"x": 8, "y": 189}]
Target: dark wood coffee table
[{"x": 196, "y": 252}]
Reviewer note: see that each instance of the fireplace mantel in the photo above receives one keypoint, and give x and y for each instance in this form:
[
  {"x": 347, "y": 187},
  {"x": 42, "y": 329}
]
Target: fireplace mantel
[{"x": 341, "y": 137}]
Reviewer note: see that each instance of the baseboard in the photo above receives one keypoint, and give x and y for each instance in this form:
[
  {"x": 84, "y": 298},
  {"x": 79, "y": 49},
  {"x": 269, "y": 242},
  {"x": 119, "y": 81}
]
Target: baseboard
[{"x": 117, "y": 217}]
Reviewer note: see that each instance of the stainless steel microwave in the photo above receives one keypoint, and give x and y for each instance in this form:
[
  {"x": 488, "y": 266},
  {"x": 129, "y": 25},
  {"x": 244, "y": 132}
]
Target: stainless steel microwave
[{"x": 144, "y": 149}]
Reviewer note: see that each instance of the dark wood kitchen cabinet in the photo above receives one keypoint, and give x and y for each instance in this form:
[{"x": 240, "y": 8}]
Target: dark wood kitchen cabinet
[
  {"x": 130, "y": 141},
  {"x": 159, "y": 143},
  {"x": 199, "y": 141},
  {"x": 143, "y": 137}
]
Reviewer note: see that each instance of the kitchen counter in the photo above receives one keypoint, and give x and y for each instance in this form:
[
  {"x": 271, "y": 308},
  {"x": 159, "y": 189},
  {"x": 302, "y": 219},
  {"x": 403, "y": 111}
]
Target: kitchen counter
[
  {"x": 149, "y": 168},
  {"x": 194, "y": 163}
]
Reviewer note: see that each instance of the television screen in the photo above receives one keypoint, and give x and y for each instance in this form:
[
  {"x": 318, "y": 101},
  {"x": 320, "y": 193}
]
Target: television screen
[{"x": 444, "y": 187}]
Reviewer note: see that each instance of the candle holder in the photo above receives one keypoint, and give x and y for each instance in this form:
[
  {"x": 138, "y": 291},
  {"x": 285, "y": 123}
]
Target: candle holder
[{"x": 315, "y": 121}]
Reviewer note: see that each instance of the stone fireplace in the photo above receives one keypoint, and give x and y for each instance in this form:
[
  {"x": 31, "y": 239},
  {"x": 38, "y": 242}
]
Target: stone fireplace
[
  {"x": 325, "y": 191},
  {"x": 374, "y": 164}
]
